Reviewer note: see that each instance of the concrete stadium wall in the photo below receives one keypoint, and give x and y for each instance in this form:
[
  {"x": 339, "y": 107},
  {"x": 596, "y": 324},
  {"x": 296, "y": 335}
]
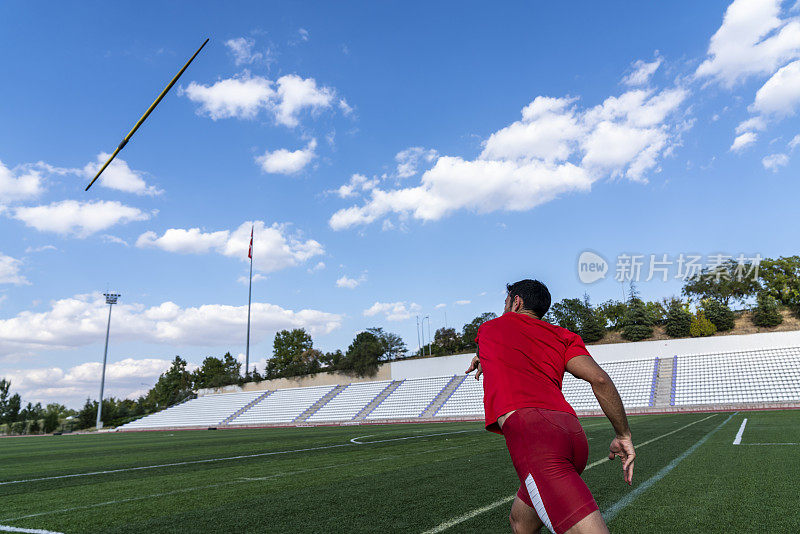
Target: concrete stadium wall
[
  {"x": 612, "y": 352},
  {"x": 319, "y": 379}
]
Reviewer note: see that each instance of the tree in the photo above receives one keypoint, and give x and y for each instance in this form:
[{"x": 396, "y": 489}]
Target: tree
[
  {"x": 332, "y": 360},
  {"x": 470, "y": 330},
  {"x": 393, "y": 345},
  {"x": 590, "y": 323},
  {"x": 656, "y": 311},
  {"x": 614, "y": 313},
  {"x": 719, "y": 314},
  {"x": 446, "y": 341},
  {"x": 287, "y": 353},
  {"x": 217, "y": 372},
  {"x": 638, "y": 324},
  {"x": 723, "y": 283},
  {"x": 567, "y": 313},
  {"x": 766, "y": 312},
  {"x": 701, "y": 326},
  {"x": 780, "y": 278},
  {"x": 679, "y": 319},
  {"x": 363, "y": 354},
  {"x": 172, "y": 386},
  {"x": 87, "y": 416}
]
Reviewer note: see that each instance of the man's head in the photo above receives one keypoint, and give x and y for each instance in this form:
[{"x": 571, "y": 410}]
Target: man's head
[{"x": 528, "y": 295}]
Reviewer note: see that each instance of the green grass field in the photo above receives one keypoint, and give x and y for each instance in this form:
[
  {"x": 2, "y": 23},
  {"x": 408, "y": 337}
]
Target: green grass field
[{"x": 443, "y": 477}]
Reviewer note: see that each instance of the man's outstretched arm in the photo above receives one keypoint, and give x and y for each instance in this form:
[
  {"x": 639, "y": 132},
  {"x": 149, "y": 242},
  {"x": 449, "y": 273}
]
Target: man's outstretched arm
[{"x": 585, "y": 368}]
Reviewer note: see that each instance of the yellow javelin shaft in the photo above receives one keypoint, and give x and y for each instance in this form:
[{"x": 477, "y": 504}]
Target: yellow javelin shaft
[{"x": 144, "y": 117}]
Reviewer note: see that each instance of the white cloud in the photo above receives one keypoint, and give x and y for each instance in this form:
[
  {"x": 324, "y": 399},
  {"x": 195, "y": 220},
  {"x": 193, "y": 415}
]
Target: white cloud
[
  {"x": 773, "y": 162},
  {"x": 256, "y": 278},
  {"x": 283, "y": 161},
  {"x": 409, "y": 160},
  {"x": 184, "y": 241},
  {"x": 555, "y": 149},
  {"x": 274, "y": 247},
  {"x": 357, "y": 182},
  {"x": 318, "y": 267},
  {"x": 10, "y": 271},
  {"x": 297, "y": 94},
  {"x": 108, "y": 238},
  {"x": 81, "y": 321},
  {"x": 243, "y": 51},
  {"x": 244, "y": 96},
  {"x": 303, "y": 34},
  {"x": 752, "y": 40},
  {"x": 753, "y": 123},
  {"x": 81, "y": 219},
  {"x": 21, "y": 183},
  {"x": 743, "y": 140},
  {"x": 119, "y": 176},
  {"x": 794, "y": 142},
  {"x": 642, "y": 72},
  {"x": 351, "y": 283},
  {"x": 39, "y": 249},
  {"x": 780, "y": 95},
  {"x": 440, "y": 305},
  {"x": 463, "y": 302},
  {"x": 72, "y": 386},
  {"x": 393, "y": 311}
]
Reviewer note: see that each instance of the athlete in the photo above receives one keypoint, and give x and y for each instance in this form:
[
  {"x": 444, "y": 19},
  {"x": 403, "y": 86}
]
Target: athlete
[{"x": 523, "y": 359}]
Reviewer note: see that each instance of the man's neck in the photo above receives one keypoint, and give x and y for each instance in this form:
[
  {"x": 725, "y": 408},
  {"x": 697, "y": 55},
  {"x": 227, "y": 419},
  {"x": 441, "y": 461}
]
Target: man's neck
[{"x": 528, "y": 313}]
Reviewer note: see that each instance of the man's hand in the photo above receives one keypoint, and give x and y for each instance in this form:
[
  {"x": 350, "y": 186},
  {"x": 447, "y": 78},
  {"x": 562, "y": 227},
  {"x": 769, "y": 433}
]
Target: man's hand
[
  {"x": 623, "y": 447},
  {"x": 475, "y": 366}
]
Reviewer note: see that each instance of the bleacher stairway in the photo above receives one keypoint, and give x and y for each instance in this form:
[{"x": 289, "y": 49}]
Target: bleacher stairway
[
  {"x": 755, "y": 379},
  {"x": 663, "y": 385}
]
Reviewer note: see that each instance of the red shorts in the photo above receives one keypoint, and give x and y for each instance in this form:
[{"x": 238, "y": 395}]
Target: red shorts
[{"x": 549, "y": 451}]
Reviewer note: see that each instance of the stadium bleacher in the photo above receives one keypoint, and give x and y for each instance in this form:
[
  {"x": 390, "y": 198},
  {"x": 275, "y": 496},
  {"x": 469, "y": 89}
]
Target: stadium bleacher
[
  {"x": 210, "y": 410},
  {"x": 770, "y": 375},
  {"x": 757, "y": 376},
  {"x": 410, "y": 399}
]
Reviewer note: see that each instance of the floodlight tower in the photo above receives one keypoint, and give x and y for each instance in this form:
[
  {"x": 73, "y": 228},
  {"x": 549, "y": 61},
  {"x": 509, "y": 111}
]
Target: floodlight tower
[
  {"x": 430, "y": 339},
  {"x": 111, "y": 299}
]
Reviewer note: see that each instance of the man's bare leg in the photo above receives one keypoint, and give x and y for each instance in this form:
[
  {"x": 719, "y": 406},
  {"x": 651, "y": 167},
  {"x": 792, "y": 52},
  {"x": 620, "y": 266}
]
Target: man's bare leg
[
  {"x": 591, "y": 524},
  {"x": 524, "y": 519}
]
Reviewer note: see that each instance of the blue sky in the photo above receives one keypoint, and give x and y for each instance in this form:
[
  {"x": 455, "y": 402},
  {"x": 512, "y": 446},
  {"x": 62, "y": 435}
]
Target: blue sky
[{"x": 397, "y": 159}]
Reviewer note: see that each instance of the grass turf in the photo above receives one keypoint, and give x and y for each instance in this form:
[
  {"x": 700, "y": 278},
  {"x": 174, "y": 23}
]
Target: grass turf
[{"x": 391, "y": 484}]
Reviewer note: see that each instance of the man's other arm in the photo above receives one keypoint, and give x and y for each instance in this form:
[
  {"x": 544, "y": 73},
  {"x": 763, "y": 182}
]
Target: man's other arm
[{"x": 585, "y": 368}]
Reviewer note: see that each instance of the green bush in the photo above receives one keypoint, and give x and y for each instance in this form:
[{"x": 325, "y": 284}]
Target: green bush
[
  {"x": 701, "y": 326},
  {"x": 719, "y": 314},
  {"x": 766, "y": 312},
  {"x": 638, "y": 322},
  {"x": 679, "y": 320}
]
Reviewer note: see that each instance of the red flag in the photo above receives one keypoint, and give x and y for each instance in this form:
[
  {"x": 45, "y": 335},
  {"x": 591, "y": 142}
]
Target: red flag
[{"x": 250, "y": 252}]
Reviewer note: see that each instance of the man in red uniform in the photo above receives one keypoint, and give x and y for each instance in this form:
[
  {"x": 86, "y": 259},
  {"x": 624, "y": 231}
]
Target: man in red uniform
[{"x": 523, "y": 360}]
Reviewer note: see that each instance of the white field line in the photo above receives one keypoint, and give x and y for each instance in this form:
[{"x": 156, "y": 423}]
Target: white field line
[
  {"x": 6, "y": 528},
  {"x": 762, "y": 444},
  {"x": 241, "y": 480},
  {"x": 617, "y": 507},
  {"x": 209, "y": 460},
  {"x": 469, "y": 515},
  {"x": 738, "y": 439},
  {"x": 355, "y": 440}
]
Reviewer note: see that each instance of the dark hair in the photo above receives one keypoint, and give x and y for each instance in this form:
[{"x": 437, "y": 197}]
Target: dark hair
[{"x": 534, "y": 294}]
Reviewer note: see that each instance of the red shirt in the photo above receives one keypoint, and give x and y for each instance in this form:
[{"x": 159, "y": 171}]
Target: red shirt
[{"x": 523, "y": 361}]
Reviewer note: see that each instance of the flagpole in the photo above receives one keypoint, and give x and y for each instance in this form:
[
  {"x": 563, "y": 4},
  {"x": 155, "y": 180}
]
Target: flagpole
[{"x": 249, "y": 300}]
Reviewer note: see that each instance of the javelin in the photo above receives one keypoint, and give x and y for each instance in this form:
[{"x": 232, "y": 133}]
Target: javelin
[{"x": 144, "y": 117}]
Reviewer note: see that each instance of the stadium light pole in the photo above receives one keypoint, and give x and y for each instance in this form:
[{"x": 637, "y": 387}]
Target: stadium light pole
[
  {"x": 111, "y": 299},
  {"x": 430, "y": 339},
  {"x": 419, "y": 343}
]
